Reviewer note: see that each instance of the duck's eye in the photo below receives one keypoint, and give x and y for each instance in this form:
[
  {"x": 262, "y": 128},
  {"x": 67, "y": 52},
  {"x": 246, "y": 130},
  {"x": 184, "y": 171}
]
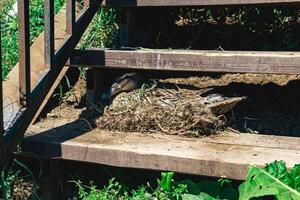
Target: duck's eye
[{"x": 115, "y": 86}]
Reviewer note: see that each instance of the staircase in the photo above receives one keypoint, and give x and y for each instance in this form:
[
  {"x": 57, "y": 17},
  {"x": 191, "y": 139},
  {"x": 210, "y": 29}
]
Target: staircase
[{"x": 33, "y": 99}]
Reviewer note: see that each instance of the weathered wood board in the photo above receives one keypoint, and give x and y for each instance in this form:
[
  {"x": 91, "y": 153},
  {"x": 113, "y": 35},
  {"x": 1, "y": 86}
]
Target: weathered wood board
[
  {"x": 225, "y": 155},
  {"x": 191, "y": 60}
]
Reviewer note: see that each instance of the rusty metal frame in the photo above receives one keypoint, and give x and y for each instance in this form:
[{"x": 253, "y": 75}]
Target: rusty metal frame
[{"x": 32, "y": 100}]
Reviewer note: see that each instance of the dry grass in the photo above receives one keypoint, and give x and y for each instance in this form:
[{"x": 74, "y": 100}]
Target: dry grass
[{"x": 172, "y": 111}]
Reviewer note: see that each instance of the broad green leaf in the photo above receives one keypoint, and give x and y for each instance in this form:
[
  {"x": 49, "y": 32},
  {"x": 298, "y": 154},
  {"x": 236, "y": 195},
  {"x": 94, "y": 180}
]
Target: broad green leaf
[
  {"x": 295, "y": 174},
  {"x": 279, "y": 171},
  {"x": 260, "y": 183}
]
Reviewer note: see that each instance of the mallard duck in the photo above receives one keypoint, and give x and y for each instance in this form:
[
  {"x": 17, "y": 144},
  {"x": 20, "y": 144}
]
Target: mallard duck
[{"x": 124, "y": 83}]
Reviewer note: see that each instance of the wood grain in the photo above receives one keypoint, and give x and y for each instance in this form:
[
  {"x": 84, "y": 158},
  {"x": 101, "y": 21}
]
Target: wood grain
[
  {"x": 217, "y": 156},
  {"x": 181, "y": 60}
]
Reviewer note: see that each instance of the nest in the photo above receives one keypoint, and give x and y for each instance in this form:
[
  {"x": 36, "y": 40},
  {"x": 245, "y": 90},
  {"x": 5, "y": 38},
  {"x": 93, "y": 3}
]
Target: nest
[{"x": 170, "y": 111}]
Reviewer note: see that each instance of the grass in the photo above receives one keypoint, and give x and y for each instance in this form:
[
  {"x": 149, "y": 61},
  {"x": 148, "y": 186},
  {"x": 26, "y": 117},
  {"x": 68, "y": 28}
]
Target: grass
[
  {"x": 9, "y": 30},
  {"x": 275, "y": 181},
  {"x": 9, "y": 177},
  {"x": 165, "y": 188},
  {"x": 103, "y": 30}
]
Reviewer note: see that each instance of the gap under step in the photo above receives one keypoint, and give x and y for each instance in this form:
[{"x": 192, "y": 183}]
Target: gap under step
[
  {"x": 154, "y": 3},
  {"x": 271, "y": 62}
]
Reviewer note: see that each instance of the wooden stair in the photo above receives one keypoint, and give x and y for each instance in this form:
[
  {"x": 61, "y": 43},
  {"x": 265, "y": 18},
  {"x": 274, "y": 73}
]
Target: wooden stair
[
  {"x": 225, "y": 155},
  {"x": 188, "y": 60},
  {"x": 222, "y": 156}
]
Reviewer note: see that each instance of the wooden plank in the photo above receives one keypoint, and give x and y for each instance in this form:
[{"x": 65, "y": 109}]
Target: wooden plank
[
  {"x": 161, "y": 152},
  {"x": 70, "y": 16},
  {"x": 49, "y": 33},
  {"x": 251, "y": 140},
  {"x": 135, "y": 3},
  {"x": 24, "y": 53},
  {"x": 181, "y": 60},
  {"x": 63, "y": 130}
]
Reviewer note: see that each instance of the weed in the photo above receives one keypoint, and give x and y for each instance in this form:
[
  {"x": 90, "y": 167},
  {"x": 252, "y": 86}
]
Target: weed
[
  {"x": 6, "y": 183},
  {"x": 273, "y": 181},
  {"x": 114, "y": 190},
  {"x": 8, "y": 179},
  {"x": 61, "y": 94},
  {"x": 164, "y": 191},
  {"x": 103, "y": 30}
]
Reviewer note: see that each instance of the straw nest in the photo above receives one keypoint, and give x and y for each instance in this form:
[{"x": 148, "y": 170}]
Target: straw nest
[{"x": 171, "y": 111}]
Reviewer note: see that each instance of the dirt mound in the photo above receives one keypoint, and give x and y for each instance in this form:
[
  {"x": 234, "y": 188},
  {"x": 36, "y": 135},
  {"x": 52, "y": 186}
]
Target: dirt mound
[{"x": 172, "y": 111}]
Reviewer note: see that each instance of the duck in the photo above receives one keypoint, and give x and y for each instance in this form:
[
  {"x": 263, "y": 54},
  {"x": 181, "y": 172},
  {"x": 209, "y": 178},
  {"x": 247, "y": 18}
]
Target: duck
[{"x": 125, "y": 83}]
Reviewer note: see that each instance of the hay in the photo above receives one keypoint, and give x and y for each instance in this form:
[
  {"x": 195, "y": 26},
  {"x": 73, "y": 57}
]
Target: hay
[{"x": 171, "y": 111}]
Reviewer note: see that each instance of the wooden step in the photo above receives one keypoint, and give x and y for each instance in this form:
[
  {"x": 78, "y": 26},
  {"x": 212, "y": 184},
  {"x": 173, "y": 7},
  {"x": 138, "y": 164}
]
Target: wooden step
[
  {"x": 188, "y": 60},
  {"x": 153, "y": 3},
  {"x": 226, "y": 155}
]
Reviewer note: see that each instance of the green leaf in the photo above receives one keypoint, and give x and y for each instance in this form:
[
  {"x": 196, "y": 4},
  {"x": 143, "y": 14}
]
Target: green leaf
[
  {"x": 279, "y": 171},
  {"x": 295, "y": 174},
  {"x": 260, "y": 183},
  {"x": 213, "y": 188},
  {"x": 166, "y": 181}
]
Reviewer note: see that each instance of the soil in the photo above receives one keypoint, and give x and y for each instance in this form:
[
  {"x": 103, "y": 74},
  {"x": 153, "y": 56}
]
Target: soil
[
  {"x": 271, "y": 105},
  {"x": 226, "y": 79}
]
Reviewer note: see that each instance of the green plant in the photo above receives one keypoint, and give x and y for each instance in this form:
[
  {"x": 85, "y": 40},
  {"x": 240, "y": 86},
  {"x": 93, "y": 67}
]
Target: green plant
[
  {"x": 274, "y": 180},
  {"x": 8, "y": 179},
  {"x": 113, "y": 191},
  {"x": 167, "y": 189},
  {"x": 211, "y": 189},
  {"x": 6, "y": 183},
  {"x": 9, "y": 30},
  {"x": 103, "y": 30},
  {"x": 63, "y": 93}
]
